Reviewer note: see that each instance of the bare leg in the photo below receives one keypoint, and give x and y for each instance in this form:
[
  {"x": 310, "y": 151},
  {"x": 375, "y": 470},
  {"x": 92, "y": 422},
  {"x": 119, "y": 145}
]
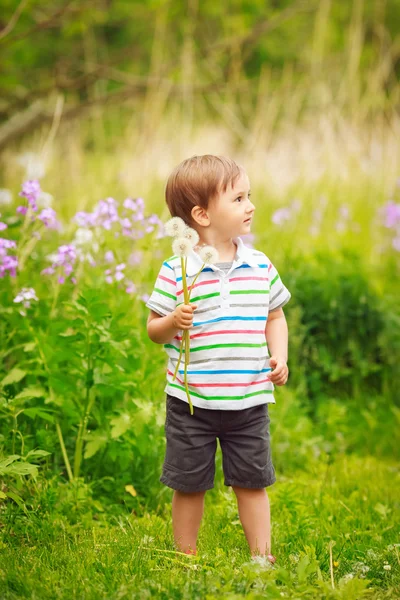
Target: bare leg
[
  {"x": 254, "y": 513},
  {"x": 187, "y": 512}
]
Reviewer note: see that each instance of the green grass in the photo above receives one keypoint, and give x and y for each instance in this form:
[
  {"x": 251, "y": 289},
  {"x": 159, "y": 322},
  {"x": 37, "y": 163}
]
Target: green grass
[{"x": 351, "y": 504}]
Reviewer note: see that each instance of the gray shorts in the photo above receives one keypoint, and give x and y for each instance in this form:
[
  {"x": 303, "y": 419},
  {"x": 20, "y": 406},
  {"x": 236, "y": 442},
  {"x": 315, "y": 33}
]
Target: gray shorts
[{"x": 189, "y": 464}]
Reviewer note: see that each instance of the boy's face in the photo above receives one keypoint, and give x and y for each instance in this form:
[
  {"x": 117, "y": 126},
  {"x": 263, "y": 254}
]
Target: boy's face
[{"x": 232, "y": 211}]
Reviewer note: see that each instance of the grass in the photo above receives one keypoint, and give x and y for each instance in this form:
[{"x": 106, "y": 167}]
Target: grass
[{"x": 350, "y": 505}]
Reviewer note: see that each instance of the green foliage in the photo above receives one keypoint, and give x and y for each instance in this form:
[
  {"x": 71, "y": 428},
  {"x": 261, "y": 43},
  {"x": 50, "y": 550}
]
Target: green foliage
[{"x": 345, "y": 334}]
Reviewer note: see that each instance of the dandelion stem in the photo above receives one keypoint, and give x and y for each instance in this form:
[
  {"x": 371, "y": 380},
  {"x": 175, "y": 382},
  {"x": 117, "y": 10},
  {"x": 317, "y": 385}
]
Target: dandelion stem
[
  {"x": 185, "y": 375},
  {"x": 179, "y": 360},
  {"x": 194, "y": 281},
  {"x": 185, "y": 335}
]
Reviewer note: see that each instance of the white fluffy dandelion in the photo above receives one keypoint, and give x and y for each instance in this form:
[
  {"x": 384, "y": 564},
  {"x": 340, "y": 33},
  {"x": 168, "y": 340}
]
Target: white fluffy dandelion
[
  {"x": 175, "y": 227},
  {"x": 191, "y": 235},
  {"x": 181, "y": 246},
  {"x": 208, "y": 254}
]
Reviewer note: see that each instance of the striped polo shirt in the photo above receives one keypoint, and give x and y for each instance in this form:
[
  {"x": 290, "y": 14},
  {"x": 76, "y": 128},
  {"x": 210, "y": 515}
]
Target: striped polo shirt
[{"x": 229, "y": 359}]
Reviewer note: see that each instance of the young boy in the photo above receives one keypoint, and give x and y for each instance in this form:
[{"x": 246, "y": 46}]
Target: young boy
[{"x": 238, "y": 351}]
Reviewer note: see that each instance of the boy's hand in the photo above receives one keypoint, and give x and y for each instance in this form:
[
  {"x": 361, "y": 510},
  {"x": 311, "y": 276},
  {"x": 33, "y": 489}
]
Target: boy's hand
[
  {"x": 182, "y": 317},
  {"x": 280, "y": 373}
]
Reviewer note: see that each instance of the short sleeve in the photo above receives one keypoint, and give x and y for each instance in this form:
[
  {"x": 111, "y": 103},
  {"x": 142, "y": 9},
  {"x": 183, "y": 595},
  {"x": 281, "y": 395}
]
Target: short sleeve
[
  {"x": 163, "y": 297},
  {"x": 279, "y": 295}
]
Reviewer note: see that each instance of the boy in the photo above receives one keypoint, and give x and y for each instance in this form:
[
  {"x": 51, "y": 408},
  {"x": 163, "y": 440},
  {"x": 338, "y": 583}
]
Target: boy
[{"x": 238, "y": 320}]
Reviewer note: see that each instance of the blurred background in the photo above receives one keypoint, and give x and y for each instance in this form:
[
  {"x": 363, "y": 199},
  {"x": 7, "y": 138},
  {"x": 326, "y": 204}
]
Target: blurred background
[{"x": 99, "y": 101}]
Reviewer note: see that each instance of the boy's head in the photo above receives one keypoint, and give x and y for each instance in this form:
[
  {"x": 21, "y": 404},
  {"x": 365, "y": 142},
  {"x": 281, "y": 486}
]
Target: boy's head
[{"x": 196, "y": 184}]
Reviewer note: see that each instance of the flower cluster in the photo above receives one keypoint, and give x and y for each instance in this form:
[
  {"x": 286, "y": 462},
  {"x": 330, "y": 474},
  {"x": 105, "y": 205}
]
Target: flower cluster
[
  {"x": 117, "y": 275},
  {"x": 105, "y": 215},
  {"x": 26, "y": 295},
  {"x": 49, "y": 218},
  {"x": 185, "y": 240},
  {"x": 63, "y": 262},
  {"x": 35, "y": 196},
  {"x": 7, "y": 263},
  {"x": 31, "y": 191}
]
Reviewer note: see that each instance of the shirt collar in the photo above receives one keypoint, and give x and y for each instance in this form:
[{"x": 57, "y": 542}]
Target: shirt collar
[{"x": 244, "y": 256}]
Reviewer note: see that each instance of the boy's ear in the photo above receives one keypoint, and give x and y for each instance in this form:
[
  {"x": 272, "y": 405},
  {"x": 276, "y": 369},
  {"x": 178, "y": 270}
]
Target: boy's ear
[{"x": 200, "y": 216}]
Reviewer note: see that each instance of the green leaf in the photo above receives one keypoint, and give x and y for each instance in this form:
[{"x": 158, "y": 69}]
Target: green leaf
[
  {"x": 22, "y": 468},
  {"x": 96, "y": 441},
  {"x": 36, "y": 453},
  {"x": 31, "y": 392},
  {"x": 39, "y": 412},
  {"x": 120, "y": 425},
  {"x": 68, "y": 333},
  {"x": 8, "y": 460},
  {"x": 18, "y": 500},
  {"x": 13, "y": 376},
  {"x": 119, "y": 347},
  {"x": 29, "y": 346},
  {"x": 3, "y": 496}
]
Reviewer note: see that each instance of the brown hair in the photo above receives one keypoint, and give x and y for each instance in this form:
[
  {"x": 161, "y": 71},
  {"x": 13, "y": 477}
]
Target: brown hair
[{"x": 198, "y": 180}]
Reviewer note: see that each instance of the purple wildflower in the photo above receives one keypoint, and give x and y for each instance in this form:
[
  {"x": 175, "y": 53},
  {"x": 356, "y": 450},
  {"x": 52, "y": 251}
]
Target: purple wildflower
[
  {"x": 31, "y": 191},
  {"x": 391, "y": 214},
  {"x": 7, "y": 263},
  {"x": 10, "y": 264},
  {"x": 135, "y": 258},
  {"x": 25, "y": 296},
  {"x": 118, "y": 272},
  {"x": 109, "y": 256},
  {"x": 117, "y": 275},
  {"x": 396, "y": 243},
  {"x": 3, "y": 226},
  {"x": 85, "y": 219},
  {"x": 6, "y": 245},
  {"x": 281, "y": 215},
  {"x": 49, "y": 218},
  {"x": 65, "y": 259},
  {"x": 131, "y": 287},
  {"x": 104, "y": 215}
]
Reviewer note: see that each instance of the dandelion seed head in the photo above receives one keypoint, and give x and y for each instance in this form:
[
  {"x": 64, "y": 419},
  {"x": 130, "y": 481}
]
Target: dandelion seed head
[
  {"x": 175, "y": 227},
  {"x": 191, "y": 234},
  {"x": 208, "y": 255},
  {"x": 181, "y": 246}
]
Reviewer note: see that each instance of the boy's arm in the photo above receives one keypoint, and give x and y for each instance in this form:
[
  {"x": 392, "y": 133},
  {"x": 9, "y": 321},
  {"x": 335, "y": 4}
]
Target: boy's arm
[
  {"x": 161, "y": 330},
  {"x": 276, "y": 333}
]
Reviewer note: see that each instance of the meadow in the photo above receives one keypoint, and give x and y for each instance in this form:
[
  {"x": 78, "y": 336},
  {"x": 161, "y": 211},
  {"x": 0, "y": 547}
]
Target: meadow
[{"x": 82, "y": 408}]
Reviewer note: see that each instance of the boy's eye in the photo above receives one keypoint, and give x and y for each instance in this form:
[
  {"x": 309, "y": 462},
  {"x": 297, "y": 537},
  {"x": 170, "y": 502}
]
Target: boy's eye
[{"x": 240, "y": 197}]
